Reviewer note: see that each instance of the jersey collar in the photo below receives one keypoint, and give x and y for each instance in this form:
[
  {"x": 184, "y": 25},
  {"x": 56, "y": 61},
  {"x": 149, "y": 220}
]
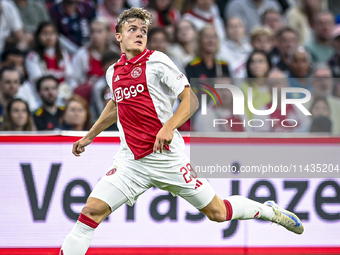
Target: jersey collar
[{"x": 134, "y": 59}]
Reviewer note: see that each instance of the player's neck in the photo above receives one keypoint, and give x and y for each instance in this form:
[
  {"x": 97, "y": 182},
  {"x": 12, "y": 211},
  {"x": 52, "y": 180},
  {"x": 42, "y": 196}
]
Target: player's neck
[{"x": 131, "y": 54}]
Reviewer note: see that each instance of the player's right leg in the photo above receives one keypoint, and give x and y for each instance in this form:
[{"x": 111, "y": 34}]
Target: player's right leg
[
  {"x": 122, "y": 184},
  {"x": 104, "y": 199}
]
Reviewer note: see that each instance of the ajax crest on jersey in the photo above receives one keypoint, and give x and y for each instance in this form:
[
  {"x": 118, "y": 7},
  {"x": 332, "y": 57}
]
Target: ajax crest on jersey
[{"x": 136, "y": 72}]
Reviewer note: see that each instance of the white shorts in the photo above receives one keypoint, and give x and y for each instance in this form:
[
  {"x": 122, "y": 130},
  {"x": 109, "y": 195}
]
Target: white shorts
[{"x": 167, "y": 171}]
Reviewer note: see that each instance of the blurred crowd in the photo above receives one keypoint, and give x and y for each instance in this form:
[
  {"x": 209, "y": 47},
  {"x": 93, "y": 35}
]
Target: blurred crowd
[{"x": 54, "y": 54}]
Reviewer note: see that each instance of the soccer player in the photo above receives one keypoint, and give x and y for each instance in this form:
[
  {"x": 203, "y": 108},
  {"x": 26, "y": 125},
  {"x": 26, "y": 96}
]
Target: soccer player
[{"x": 144, "y": 85}]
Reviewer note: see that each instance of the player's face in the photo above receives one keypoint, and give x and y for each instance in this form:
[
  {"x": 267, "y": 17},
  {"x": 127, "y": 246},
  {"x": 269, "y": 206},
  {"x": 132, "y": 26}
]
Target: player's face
[{"x": 133, "y": 37}]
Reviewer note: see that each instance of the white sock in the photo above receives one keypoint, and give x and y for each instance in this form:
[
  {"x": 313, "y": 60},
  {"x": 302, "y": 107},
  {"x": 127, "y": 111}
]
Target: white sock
[
  {"x": 78, "y": 241},
  {"x": 245, "y": 209}
]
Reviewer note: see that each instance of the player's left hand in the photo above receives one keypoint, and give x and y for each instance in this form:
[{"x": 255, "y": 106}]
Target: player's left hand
[{"x": 163, "y": 137}]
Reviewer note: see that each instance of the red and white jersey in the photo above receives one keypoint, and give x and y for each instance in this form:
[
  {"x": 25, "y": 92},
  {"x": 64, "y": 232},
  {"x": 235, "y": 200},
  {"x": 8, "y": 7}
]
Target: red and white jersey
[{"x": 145, "y": 89}]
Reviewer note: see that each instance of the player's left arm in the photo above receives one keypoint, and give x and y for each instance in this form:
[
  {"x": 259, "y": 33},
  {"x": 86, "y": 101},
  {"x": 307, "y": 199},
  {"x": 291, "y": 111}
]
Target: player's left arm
[{"x": 188, "y": 106}]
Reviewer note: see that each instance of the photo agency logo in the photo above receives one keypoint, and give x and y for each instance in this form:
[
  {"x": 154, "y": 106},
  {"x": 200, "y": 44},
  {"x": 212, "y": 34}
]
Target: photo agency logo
[{"x": 280, "y": 102}]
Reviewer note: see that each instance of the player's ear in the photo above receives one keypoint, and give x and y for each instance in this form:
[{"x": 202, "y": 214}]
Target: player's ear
[{"x": 119, "y": 37}]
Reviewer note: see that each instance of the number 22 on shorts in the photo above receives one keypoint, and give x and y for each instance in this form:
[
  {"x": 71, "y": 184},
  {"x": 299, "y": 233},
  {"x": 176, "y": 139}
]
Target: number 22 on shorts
[{"x": 188, "y": 173}]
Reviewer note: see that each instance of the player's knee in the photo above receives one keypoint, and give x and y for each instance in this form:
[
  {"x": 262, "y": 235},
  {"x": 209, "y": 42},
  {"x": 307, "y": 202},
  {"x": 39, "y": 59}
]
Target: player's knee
[
  {"x": 218, "y": 216},
  {"x": 96, "y": 211},
  {"x": 89, "y": 210}
]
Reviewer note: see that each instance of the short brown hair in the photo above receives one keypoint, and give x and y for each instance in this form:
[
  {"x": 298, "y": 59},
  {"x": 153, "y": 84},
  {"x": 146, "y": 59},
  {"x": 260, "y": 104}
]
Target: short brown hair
[{"x": 133, "y": 13}]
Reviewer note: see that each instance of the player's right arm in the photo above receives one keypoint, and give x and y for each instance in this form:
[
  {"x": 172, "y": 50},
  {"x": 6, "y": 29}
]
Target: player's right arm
[{"x": 106, "y": 119}]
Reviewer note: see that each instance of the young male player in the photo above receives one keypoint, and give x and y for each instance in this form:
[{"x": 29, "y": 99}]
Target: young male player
[{"x": 144, "y": 85}]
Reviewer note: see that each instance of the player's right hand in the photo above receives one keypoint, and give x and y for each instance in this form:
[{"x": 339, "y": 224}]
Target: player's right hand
[{"x": 79, "y": 146}]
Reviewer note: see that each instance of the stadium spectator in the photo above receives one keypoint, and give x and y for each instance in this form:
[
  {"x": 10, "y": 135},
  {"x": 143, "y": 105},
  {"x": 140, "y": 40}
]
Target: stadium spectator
[
  {"x": 287, "y": 40},
  {"x": 258, "y": 67},
  {"x": 302, "y": 17},
  {"x": 320, "y": 107},
  {"x": 87, "y": 59},
  {"x": 236, "y": 49},
  {"x": 47, "y": 57},
  {"x": 72, "y": 18},
  {"x": 250, "y": 11},
  {"x": 224, "y": 111},
  {"x": 110, "y": 10},
  {"x": 185, "y": 46},
  {"x": 205, "y": 64},
  {"x": 48, "y": 116},
  {"x": 300, "y": 67},
  {"x": 321, "y": 124},
  {"x": 17, "y": 117},
  {"x": 334, "y": 61},
  {"x": 202, "y": 13},
  {"x": 166, "y": 15},
  {"x": 272, "y": 18},
  {"x": 278, "y": 79},
  {"x": 262, "y": 38},
  {"x": 77, "y": 115},
  {"x": 321, "y": 48},
  {"x": 11, "y": 29},
  {"x": 320, "y": 111},
  {"x": 9, "y": 86},
  {"x": 32, "y": 14},
  {"x": 105, "y": 97},
  {"x": 322, "y": 86},
  {"x": 16, "y": 58},
  {"x": 47, "y": 3},
  {"x": 158, "y": 40},
  {"x": 97, "y": 104}
]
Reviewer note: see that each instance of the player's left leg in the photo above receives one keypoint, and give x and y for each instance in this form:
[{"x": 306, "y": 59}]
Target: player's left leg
[
  {"x": 236, "y": 207},
  {"x": 175, "y": 174},
  {"x": 242, "y": 208}
]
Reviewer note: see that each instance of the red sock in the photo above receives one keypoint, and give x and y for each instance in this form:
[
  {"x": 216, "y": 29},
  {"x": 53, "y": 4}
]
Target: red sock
[
  {"x": 87, "y": 221},
  {"x": 229, "y": 209}
]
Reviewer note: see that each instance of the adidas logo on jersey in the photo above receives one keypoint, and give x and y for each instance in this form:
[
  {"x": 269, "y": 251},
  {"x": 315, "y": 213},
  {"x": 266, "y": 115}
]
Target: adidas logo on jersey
[
  {"x": 117, "y": 78},
  {"x": 198, "y": 184}
]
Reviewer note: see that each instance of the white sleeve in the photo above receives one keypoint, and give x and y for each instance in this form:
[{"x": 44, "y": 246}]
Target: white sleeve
[
  {"x": 169, "y": 73},
  {"x": 12, "y": 15},
  {"x": 33, "y": 67}
]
